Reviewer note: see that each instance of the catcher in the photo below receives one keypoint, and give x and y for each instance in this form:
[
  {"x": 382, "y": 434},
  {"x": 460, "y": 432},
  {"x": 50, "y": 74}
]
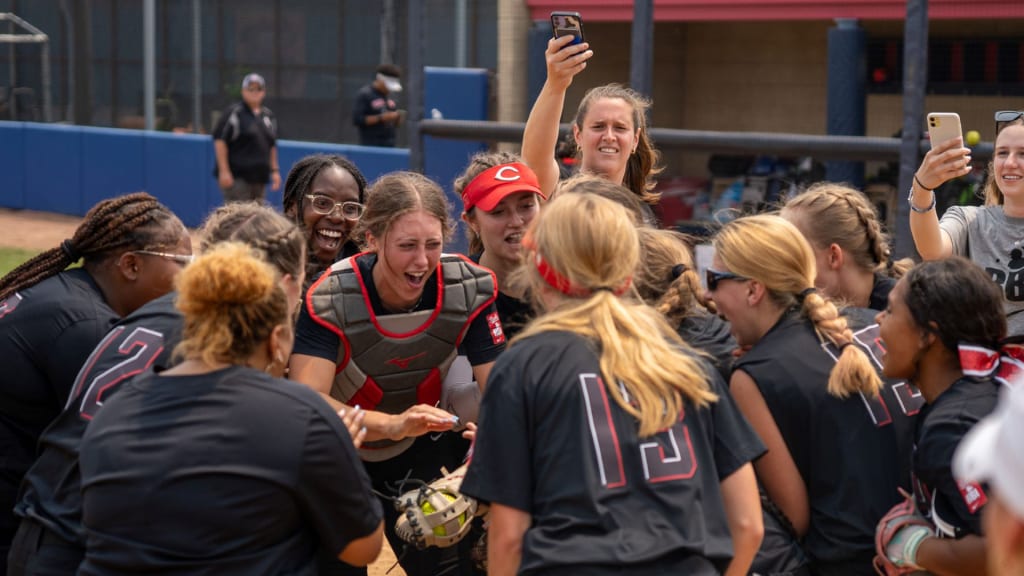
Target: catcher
[{"x": 952, "y": 358}]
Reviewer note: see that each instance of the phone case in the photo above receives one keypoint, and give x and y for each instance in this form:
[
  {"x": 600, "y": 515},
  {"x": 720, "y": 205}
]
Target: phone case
[
  {"x": 943, "y": 126},
  {"x": 563, "y": 23}
]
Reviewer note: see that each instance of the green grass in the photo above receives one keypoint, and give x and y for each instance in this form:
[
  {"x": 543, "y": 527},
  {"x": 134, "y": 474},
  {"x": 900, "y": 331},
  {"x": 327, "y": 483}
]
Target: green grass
[{"x": 10, "y": 258}]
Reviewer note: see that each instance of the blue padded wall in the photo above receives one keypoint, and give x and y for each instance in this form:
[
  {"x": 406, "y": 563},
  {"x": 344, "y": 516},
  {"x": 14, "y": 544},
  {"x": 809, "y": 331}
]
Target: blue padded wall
[
  {"x": 456, "y": 94},
  {"x": 12, "y": 164},
  {"x": 179, "y": 168},
  {"x": 53, "y": 168},
  {"x": 113, "y": 163}
]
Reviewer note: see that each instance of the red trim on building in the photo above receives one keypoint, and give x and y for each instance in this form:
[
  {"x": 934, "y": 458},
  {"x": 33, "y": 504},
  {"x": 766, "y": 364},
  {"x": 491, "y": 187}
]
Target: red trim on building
[{"x": 776, "y": 10}]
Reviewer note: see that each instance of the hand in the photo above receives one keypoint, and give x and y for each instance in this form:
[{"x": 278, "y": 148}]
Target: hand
[
  {"x": 944, "y": 162},
  {"x": 225, "y": 180},
  {"x": 898, "y": 536},
  {"x": 470, "y": 432},
  {"x": 564, "y": 61},
  {"x": 902, "y": 548},
  {"x": 420, "y": 419},
  {"x": 275, "y": 180},
  {"x": 353, "y": 419}
]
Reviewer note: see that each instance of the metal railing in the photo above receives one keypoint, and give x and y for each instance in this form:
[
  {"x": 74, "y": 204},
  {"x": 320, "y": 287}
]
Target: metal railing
[{"x": 854, "y": 148}]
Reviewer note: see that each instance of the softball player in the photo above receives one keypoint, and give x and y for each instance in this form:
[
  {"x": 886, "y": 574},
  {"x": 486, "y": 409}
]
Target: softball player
[
  {"x": 605, "y": 445},
  {"x": 131, "y": 247},
  {"x": 50, "y": 502}
]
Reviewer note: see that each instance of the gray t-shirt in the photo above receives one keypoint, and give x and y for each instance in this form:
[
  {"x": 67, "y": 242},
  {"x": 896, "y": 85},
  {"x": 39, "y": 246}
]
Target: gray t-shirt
[{"x": 994, "y": 241}]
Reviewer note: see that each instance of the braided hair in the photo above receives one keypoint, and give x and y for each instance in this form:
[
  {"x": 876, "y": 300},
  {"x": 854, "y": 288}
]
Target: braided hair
[
  {"x": 771, "y": 250},
  {"x": 260, "y": 227},
  {"x": 130, "y": 222},
  {"x": 837, "y": 214}
]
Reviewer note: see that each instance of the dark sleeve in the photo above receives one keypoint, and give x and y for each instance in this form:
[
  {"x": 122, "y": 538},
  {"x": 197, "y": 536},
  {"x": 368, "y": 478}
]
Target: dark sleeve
[
  {"x": 934, "y": 466},
  {"x": 273, "y": 129},
  {"x": 220, "y": 129},
  {"x": 736, "y": 443},
  {"x": 360, "y": 109},
  {"x": 501, "y": 470},
  {"x": 70, "y": 350},
  {"x": 334, "y": 491},
  {"x": 312, "y": 339},
  {"x": 485, "y": 337}
]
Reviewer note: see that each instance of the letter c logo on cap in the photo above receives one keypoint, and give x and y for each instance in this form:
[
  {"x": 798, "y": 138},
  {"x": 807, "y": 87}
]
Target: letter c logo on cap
[{"x": 501, "y": 174}]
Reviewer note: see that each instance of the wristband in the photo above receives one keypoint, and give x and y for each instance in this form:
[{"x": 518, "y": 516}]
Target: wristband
[
  {"x": 922, "y": 186},
  {"x": 910, "y": 202}
]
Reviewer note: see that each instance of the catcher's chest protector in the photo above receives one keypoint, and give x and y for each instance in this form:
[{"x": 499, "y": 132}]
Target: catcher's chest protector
[{"x": 392, "y": 362}]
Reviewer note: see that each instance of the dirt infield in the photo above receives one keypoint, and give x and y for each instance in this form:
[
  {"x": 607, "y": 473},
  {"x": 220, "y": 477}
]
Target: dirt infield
[{"x": 30, "y": 230}]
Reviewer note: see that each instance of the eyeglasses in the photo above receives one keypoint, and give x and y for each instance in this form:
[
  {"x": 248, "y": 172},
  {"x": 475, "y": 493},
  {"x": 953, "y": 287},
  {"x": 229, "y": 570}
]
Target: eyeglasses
[
  {"x": 1004, "y": 117},
  {"x": 183, "y": 259},
  {"x": 256, "y": 88},
  {"x": 714, "y": 277},
  {"x": 325, "y": 205}
]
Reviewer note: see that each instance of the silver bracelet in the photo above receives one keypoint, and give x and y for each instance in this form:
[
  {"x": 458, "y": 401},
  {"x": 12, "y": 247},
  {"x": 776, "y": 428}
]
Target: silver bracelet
[{"x": 910, "y": 202}]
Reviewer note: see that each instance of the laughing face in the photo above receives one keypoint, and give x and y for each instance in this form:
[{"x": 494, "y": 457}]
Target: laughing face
[
  {"x": 607, "y": 137},
  {"x": 408, "y": 254},
  {"x": 902, "y": 339},
  {"x": 501, "y": 230},
  {"x": 1008, "y": 162},
  {"x": 328, "y": 233}
]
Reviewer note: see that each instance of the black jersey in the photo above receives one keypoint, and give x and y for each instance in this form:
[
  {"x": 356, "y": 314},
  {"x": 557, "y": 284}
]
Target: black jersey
[
  {"x": 46, "y": 333},
  {"x": 953, "y": 506},
  {"x": 143, "y": 340},
  {"x": 230, "y": 472},
  {"x": 879, "y": 299},
  {"x": 514, "y": 312},
  {"x": 709, "y": 333},
  {"x": 478, "y": 343},
  {"x": 554, "y": 444},
  {"x": 249, "y": 138},
  {"x": 846, "y": 450},
  {"x": 371, "y": 102}
]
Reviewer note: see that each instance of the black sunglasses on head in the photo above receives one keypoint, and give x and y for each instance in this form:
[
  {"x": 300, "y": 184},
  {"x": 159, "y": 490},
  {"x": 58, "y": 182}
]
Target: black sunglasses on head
[
  {"x": 713, "y": 277},
  {"x": 1004, "y": 117}
]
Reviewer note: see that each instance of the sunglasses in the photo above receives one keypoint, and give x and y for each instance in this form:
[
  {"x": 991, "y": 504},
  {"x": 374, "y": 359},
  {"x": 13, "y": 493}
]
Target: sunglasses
[
  {"x": 713, "y": 277},
  {"x": 325, "y": 206},
  {"x": 1004, "y": 117},
  {"x": 183, "y": 259}
]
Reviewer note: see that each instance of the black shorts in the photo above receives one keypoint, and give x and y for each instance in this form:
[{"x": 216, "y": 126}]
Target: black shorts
[{"x": 36, "y": 551}]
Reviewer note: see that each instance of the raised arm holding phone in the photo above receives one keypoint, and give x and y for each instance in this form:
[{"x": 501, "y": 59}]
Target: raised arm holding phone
[{"x": 991, "y": 235}]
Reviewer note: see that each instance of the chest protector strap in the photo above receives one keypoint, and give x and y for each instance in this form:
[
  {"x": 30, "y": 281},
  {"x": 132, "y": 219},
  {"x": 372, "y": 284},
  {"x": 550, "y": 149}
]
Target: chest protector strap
[{"x": 392, "y": 362}]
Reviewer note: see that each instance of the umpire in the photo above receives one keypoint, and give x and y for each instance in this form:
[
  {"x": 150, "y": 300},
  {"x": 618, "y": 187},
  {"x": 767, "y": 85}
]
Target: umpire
[{"x": 245, "y": 143}]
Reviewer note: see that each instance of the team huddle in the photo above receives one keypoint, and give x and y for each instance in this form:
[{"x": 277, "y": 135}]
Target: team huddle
[{"x": 574, "y": 396}]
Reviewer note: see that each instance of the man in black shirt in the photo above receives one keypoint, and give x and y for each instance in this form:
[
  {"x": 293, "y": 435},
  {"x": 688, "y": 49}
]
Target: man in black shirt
[
  {"x": 245, "y": 142},
  {"x": 374, "y": 113}
]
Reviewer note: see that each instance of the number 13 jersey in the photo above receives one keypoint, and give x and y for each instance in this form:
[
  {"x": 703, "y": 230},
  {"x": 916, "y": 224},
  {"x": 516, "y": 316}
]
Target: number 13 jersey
[{"x": 553, "y": 442}]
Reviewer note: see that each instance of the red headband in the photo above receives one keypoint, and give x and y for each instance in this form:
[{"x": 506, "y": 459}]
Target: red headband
[
  {"x": 559, "y": 282},
  {"x": 493, "y": 184}
]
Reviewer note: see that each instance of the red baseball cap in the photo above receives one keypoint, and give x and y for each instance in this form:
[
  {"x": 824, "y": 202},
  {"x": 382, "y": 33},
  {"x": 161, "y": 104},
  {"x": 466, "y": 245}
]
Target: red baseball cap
[{"x": 493, "y": 184}]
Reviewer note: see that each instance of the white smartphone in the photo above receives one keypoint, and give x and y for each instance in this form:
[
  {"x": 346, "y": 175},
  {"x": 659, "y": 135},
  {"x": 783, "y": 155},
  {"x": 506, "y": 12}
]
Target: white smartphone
[{"x": 943, "y": 126}]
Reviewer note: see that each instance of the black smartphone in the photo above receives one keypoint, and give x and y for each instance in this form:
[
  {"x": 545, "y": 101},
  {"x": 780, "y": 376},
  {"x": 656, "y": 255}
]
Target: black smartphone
[{"x": 567, "y": 24}]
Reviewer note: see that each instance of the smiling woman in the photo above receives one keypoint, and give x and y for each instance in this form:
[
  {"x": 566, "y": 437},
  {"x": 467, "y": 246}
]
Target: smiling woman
[
  {"x": 381, "y": 329},
  {"x": 324, "y": 195},
  {"x": 610, "y": 128},
  {"x": 988, "y": 235}
]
